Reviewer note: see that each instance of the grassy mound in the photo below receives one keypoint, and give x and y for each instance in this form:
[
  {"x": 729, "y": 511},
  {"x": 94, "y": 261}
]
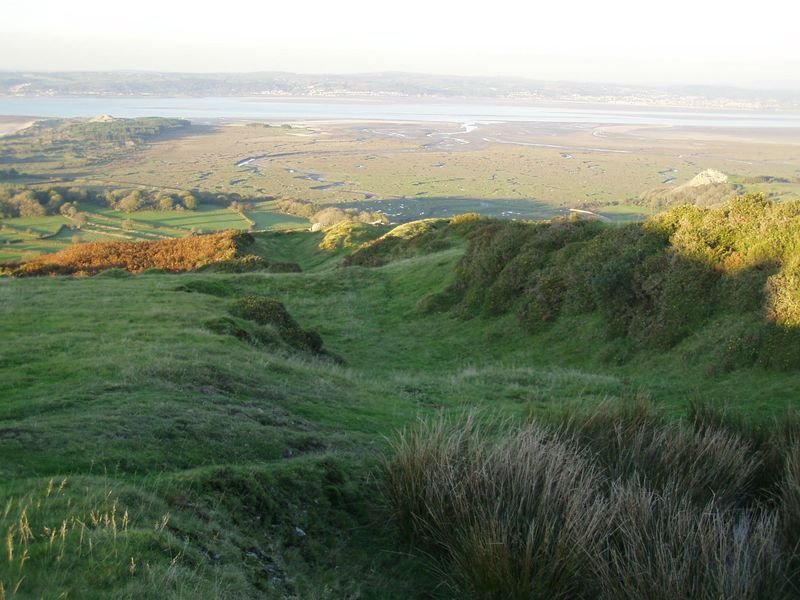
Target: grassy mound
[
  {"x": 414, "y": 238},
  {"x": 348, "y": 236},
  {"x": 276, "y": 322}
]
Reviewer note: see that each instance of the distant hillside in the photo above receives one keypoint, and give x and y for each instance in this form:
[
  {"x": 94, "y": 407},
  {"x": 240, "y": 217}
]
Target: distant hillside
[{"x": 387, "y": 84}]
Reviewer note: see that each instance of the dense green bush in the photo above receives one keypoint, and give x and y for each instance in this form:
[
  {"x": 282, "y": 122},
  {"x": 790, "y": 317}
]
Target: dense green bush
[{"x": 250, "y": 263}]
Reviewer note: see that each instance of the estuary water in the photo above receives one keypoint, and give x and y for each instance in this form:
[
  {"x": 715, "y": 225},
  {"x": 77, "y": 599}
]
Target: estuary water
[{"x": 202, "y": 109}]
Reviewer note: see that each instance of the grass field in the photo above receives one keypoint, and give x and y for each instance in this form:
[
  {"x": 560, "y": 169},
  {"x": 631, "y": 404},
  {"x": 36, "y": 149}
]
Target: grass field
[
  {"x": 204, "y": 219},
  {"x": 22, "y": 237},
  {"x": 405, "y": 170},
  {"x": 171, "y": 458}
]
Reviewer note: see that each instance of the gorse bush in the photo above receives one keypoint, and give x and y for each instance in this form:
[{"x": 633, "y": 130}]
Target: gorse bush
[
  {"x": 183, "y": 254},
  {"x": 711, "y": 194},
  {"x": 609, "y": 503},
  {"x": 655, "y": 284}
]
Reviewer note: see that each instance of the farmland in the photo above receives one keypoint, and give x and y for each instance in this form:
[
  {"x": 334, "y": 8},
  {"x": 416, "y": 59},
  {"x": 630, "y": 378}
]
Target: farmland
[{"x": 404, "y": 170}]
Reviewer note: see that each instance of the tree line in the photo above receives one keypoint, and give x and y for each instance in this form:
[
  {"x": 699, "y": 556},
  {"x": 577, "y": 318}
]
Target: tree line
[{"x": 39, "y": 202}]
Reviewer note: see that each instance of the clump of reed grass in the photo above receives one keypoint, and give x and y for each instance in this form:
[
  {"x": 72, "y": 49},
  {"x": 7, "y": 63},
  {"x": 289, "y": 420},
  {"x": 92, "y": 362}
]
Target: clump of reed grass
[
  {"x": 662, "y": 545},
  {"x": 512, "y": 516},
  {"x": 790, "y": 499},
  {"x": 632, "y": 440},
  {"x": 614, "y": 502}
]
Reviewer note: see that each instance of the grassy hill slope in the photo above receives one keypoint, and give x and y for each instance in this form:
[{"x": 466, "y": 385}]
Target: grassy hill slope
[{"x": 158, "y": 440}]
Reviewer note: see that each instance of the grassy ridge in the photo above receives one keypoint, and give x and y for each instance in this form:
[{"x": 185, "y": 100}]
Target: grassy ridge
[
  {"x": 728, "y": 274},
  {"x": 121, "y": 408}
]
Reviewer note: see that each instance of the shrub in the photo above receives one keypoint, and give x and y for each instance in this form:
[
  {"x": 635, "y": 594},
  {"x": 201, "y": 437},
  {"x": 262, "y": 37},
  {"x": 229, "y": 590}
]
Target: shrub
[
  {"x": 654, "y": 284},
  {"x": 239, "y": 264},
  {"x": 465, "y": 218},
  {"x": 783, "y": 292},
  {"x": 184, "y": 254}
]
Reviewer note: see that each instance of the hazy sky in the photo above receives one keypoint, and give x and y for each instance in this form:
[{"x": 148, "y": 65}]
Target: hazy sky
[{"x": 680, "y": 41}]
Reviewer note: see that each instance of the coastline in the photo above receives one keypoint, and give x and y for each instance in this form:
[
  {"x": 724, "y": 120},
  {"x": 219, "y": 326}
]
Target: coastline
[{"x": 304, "y": 109}]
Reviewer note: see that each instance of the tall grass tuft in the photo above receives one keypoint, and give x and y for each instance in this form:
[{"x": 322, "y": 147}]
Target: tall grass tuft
[
  {"x": 631, "y": 440},
  {"x": 662, "y": 546},
  {"x": 790, "y": 499},
  {"x": 610, "y": 503},
  {"x": 513, "y": 516}
]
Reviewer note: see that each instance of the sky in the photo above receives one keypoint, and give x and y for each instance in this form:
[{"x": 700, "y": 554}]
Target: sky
[{"x": 714, "y": 42}]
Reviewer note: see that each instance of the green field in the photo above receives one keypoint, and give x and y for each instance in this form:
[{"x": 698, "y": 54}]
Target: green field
[
  {"x": 267, "y": 216},
  {"x": 204, "y": 219}
]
